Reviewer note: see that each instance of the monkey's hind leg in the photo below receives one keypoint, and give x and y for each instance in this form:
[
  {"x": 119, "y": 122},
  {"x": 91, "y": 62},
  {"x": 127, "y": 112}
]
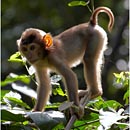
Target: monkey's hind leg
[
  {"x": 92, "y": 65},
  {"x": 92, "y": 78}
]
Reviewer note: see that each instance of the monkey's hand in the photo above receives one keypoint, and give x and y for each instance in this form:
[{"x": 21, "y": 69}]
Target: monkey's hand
[
  {"x": 74, "y": 110},
  {"x": 77, "y": 110}
]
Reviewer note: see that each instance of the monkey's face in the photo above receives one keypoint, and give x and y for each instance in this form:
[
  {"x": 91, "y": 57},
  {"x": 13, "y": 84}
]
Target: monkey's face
[
  {"x": 34, "y": 44},
  {"x": 31, "y": 45},
  {"x": 33, "y": 52}
]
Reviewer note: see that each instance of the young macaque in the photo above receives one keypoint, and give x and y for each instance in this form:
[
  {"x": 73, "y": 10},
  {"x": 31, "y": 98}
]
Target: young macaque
[{"x": 82, "y": 43}]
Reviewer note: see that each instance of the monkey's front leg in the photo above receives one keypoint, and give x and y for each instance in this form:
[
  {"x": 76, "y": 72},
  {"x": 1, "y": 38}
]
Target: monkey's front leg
[
  {"x": 43, "y": 90},
  {"x": 71, "y": 83}
]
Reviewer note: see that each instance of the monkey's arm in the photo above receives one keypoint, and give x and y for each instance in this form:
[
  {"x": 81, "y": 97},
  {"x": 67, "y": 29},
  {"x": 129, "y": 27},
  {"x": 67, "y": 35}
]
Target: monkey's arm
[
  {"x": 71, "y": 83},
  {"x": 43, "y": 89}
]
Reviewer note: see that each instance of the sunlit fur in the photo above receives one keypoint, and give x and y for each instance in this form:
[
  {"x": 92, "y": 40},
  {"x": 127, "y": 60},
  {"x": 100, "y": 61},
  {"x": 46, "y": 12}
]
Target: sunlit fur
[{"x": 84, "y": 43}]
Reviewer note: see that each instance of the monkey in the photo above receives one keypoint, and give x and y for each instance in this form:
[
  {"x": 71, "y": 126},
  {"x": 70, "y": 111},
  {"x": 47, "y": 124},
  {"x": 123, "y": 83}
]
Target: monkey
[{"x": 83, "y": 43}]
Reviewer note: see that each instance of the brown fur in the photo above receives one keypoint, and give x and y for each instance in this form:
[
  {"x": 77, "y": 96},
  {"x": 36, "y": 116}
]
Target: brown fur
[{"x": 82, "y": 43}]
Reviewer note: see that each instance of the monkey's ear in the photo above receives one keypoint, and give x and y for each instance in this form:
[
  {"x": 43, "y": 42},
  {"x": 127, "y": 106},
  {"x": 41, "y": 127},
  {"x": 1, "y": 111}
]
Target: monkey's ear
[
  {"x": 18, "y": 42},
  {"x": 47, "y": 39}
]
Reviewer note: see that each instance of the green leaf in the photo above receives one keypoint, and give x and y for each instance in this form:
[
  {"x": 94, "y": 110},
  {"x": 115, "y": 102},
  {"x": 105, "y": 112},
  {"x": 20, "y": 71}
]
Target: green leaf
[
  {"x": 18, "y": 102},
  {"x": 118, "y": 75},
  {"x": 99, "y": 103},
  {"x": 25, "y": 122},
  {"x": 58, "y": 91},
  {"x": 53, "y": 106},
  {"x": 13, "y": 98},
  {"x": 92, "y": 116},
  {"x": 113, "y": 104},
  {"x": 3, "y": 92},
  {"x": 16, "y": 58},
  {"x": 77, "y": 3},
  {"x": 59, "y": 127},
  {"x": 47, "y": 120},
  {"x": 8, "y": 116},
  {"x": 96, "y": 103},
  {"x": 123, "y": 126},
  {"x": 16, "y": 55},
  {"x": 126, "y": 96},
  {"x": 17, "y": 126},
  {"x": 89, "y": 122},
  {"x": 12, "y": 78}
]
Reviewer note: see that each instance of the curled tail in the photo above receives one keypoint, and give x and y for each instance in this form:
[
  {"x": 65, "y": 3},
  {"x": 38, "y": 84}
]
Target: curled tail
[{"x": 94, "y": 17}]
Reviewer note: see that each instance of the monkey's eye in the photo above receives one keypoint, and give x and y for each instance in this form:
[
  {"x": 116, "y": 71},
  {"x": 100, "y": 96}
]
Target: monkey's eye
[
  {"x": 32, "y": 47},
  {"x": 24, "y": 49}
]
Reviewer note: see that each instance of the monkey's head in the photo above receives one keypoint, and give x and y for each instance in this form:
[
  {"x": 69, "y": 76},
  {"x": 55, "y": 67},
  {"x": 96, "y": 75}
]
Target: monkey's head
[{"x": 34, "y": 44}]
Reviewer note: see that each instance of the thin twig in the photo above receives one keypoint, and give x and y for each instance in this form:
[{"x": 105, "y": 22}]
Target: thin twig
[
  {"x": 71, "y": 122},
  {"x": 73, "y": 118},
  {"x": 30, "y": 75},
  {"x": 92, "y": 5}
]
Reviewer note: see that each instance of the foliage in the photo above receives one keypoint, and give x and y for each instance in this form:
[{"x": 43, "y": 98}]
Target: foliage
[
  {"x": 99, "y": 114},
  {"x": 122, "y": 80},
  {"x": 13, "y": 77},
  {"x": 16, "y": 58},
  {"x": 77, "y": 3},
  {"x": 13, "y": 99}
]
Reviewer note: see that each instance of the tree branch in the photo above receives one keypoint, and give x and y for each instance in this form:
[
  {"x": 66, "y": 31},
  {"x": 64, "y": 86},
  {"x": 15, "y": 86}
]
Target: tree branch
[{"x": 73, "y": 118}]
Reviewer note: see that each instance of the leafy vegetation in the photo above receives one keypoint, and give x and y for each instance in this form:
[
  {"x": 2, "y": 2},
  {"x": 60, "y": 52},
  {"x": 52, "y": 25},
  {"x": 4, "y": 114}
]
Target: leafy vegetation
[
  {"x": 16, "y": 114},
  {"x": 77, "y": 3},
  {"x": 99, "y": 114}
]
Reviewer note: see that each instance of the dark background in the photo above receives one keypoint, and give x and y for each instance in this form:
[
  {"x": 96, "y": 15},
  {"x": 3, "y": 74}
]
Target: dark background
[{"x": 55, "y": 16}]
